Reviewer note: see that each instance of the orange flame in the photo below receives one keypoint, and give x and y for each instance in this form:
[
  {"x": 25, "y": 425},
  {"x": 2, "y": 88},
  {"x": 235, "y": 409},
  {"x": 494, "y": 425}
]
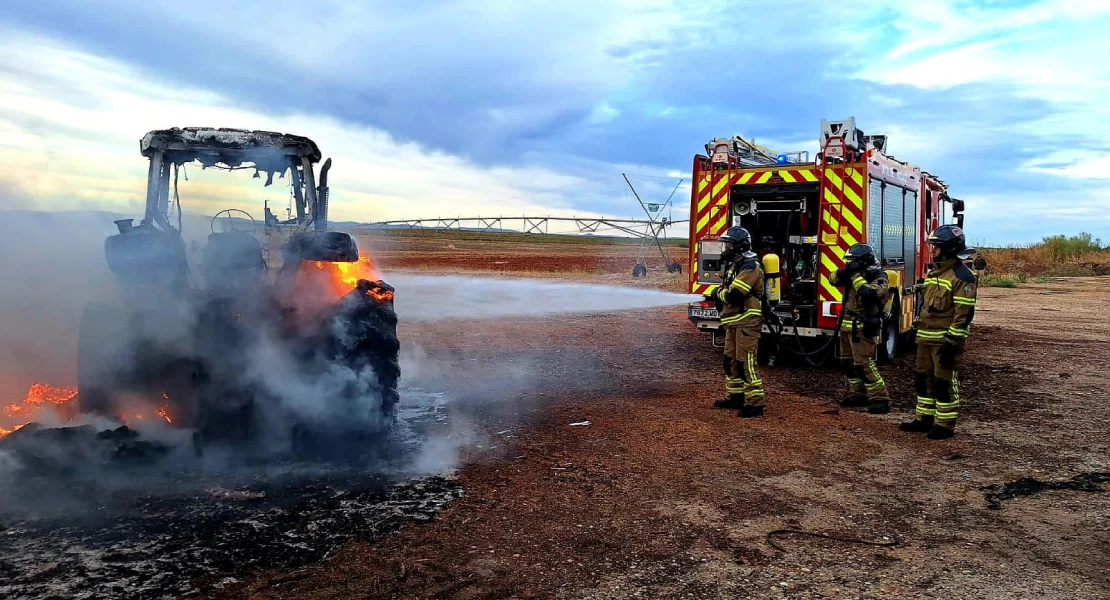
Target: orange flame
[
  {"x": 164, "y": 412},
  {"x": 40, "y": 397},
  {"x": 380, "y": 295},
  {"x": 344, "y": 276}
]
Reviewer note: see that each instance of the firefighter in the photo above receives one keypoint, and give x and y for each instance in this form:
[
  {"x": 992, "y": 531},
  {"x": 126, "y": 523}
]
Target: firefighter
[
  {"x": 942, "y": 330},
  {"x": 980, "y": 265},
  {"x": 739, "y": 300},
  {"x": 865, "y": 299}
]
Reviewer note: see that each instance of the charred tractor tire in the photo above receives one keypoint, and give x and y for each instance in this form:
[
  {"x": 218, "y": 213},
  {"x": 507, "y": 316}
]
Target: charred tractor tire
[
  {"x": 102, "y": 352},
  {"x": 890, "y": 342},
  {"x": 674, "y": 268},
  {"x": 639, "y": 271},
  {"x": 367, "y": 331}
]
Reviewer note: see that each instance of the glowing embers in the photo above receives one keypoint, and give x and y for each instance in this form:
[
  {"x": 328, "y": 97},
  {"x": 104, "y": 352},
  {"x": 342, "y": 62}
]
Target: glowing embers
[
  {"x": 40, "y": 397},
  {"x": 59, "y": 404}
]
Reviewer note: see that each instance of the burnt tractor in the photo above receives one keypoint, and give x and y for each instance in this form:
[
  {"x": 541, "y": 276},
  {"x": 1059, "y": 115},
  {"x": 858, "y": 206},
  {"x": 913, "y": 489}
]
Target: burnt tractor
[{"x": 223, "y": 342}]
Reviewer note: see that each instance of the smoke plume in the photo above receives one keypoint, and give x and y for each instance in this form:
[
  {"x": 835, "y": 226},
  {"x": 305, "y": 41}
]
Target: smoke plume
[{"x": 54, "y": 266}]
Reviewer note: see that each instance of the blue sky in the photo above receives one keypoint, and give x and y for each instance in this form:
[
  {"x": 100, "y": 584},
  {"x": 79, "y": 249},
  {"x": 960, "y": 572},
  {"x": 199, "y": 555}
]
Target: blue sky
[{"x": 483, "y": 108}]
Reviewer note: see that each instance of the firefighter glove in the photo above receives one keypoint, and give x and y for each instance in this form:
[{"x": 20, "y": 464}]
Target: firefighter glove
[
  {"x": 867, "y": 295},
  {"x": 948, "y": 354}
]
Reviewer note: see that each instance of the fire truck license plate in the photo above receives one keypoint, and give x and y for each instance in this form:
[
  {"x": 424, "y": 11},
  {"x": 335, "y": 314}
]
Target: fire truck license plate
[{"x": 704, "y": 313}]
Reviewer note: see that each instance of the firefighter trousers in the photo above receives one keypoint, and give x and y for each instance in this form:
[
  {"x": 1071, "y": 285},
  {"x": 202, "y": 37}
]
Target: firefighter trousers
[
  {"x": 863, "y": 375},
  {"x": 741, "y": 345},
  {"x": 937, "y": 386}
]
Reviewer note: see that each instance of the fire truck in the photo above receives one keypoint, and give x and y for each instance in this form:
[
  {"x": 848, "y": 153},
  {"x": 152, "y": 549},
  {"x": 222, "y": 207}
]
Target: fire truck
[{"x": 803, "y": 215}]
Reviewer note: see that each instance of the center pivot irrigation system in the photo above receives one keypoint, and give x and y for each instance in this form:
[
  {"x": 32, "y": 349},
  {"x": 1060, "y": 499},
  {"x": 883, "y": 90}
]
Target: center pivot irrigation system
[{"x": 651, "y": 231}]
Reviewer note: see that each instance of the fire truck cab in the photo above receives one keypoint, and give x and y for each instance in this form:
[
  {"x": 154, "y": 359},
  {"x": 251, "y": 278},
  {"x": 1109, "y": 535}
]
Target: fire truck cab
[{"x": 803, "y": 215}]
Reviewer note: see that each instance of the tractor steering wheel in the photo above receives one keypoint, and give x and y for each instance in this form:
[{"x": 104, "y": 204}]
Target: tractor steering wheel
[{"x": 231, "y": 226}]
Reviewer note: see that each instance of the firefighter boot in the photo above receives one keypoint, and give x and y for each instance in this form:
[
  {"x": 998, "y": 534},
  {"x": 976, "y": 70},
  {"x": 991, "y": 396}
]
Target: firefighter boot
[
  {"x": 857, "y": 394},
  {"x": 750, "y": 411},
  {"x": 921, "y": 425},
  {"x": 879, "y": 407},
  {"x": 940, "y": 433},
  {"x": 734, "y": 401},
  {"x": 853, "y": 400}
]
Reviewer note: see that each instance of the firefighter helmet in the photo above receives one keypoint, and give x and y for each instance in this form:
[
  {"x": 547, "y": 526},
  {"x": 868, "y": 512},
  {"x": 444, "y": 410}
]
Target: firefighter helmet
[
  {"x": 949, "y": 239},
  {"x": 861, "y": 254},
  {"x": 739, "y": 237}
]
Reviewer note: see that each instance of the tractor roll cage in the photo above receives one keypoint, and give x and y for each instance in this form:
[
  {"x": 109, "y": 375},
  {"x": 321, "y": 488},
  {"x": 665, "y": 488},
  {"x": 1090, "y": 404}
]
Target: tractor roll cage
[{"x": 266, "y": 151}]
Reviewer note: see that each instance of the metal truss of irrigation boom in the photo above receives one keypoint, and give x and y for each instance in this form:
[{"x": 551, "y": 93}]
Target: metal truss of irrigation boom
[{"x": 537, "y": 225}]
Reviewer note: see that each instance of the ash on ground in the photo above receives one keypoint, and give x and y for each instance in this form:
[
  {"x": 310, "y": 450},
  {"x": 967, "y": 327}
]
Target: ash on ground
[{"x": 149, "y": 530}]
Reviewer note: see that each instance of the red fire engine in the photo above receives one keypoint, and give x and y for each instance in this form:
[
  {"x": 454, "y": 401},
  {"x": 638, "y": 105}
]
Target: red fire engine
[{"x": 803, "y": 215}]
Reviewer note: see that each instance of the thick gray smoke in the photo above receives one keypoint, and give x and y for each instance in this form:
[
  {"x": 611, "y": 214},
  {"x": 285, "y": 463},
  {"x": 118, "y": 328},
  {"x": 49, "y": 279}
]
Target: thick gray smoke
[{"x": 54, "y": 265}]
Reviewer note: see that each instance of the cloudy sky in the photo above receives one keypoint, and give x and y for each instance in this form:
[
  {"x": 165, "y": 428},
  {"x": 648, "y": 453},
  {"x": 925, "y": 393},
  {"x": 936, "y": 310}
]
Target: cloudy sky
[{"x": 485, "y": 108}]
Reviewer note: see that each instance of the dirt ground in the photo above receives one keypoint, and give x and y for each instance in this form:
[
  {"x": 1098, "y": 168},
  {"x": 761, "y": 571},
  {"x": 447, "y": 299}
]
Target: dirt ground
[{"x": 661, "y": 496}]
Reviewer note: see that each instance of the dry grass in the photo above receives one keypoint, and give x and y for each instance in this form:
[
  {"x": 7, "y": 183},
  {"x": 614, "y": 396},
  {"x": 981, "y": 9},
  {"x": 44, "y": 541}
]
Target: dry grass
[{"x": 1039, "y": 261}]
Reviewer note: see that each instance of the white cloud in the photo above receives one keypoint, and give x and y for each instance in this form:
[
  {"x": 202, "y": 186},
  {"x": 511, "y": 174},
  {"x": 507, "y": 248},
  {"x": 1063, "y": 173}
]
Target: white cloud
[
  {"x": 1073, "y": 164},
  {"x": 1052, "y": 49},
  {"x": 70, "y": 124}
]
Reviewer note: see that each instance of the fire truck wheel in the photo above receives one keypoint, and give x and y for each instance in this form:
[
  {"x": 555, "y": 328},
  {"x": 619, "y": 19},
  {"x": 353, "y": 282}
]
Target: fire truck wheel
[
  {"x": 888, "y": 347},
  {"x": 639, "y": 271}
]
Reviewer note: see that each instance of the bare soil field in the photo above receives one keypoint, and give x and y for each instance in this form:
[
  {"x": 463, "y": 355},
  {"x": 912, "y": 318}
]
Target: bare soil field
[
  {"x": 662, "y": 496},
  {"x": 514, "y": 254}
]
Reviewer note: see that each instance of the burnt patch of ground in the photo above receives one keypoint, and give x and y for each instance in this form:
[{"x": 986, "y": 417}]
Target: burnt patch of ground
[{"x": 164, "y": 545}]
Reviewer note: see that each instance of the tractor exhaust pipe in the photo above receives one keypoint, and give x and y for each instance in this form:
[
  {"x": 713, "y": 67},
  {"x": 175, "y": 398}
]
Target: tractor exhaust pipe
[{"x": 320, "y": 215}]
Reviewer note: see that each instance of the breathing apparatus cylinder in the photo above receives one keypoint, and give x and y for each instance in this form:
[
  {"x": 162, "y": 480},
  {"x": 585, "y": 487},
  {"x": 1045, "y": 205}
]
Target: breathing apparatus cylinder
[
  {"x": 894, "y": 280},
  {"x": 771, "y": 277}
]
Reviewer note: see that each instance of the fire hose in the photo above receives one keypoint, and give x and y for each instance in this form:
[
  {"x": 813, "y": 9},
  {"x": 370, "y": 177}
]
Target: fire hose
[{"x": 798, "y": 349}]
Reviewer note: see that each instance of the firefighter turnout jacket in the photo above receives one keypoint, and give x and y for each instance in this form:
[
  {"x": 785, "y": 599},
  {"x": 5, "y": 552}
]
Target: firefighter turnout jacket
[
  {"x": 949, "y": 307},
  {"x": 741, "y": 293},
  {"x": 867, "y": 297}
]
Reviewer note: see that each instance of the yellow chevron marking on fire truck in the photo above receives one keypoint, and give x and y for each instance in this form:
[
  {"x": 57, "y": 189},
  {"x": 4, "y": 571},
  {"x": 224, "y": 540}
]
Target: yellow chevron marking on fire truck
[
  {"x": 808, "y": 175},
  {"x": 827, "y": 287},
  {"x": 703, "y": 201},
  {"x": 787, "y": 176},
  {"x": 703, "y": 221},
  {"x": 718, "y": 186},
  {"x": 832, "y": 199},
  {"x": 846, "y": 235},
  {"x": 827, "y": 262},
  {"x": 763, "y": 177},
  {"x": 852, "y": 220},
  {"x": 857, "y": 176},
  {"x": 720, "y": 222},
  {"x": 854, "y": 198},
  {"x": 833, "y": 178},
  {"x": 745, "y": 178}
]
